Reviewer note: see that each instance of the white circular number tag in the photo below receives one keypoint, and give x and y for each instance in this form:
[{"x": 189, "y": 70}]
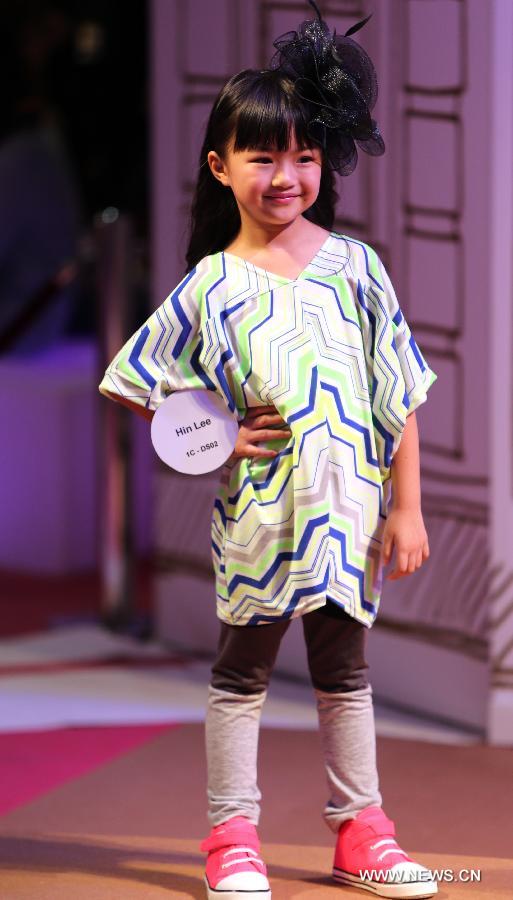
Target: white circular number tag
[{"x": 193, "y": 431}]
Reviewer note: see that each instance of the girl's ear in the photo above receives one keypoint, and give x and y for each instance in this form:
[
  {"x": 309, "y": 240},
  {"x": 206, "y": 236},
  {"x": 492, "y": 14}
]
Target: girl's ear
[{"x": 217, "y": 167}]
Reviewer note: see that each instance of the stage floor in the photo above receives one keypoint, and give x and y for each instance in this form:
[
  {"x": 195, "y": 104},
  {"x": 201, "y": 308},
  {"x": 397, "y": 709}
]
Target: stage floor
[{"x": 130, "y": 827}]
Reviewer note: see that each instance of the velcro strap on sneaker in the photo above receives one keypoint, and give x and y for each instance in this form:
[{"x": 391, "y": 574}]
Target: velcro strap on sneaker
[
  {"x": 231, "y": 837},
  {"x": 384, "y": 827}
]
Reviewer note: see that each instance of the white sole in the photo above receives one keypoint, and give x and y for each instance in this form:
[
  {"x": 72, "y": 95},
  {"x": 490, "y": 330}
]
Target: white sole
[
  {"x": 416, "y": 889},
  {"x": 212, "y": 894}
]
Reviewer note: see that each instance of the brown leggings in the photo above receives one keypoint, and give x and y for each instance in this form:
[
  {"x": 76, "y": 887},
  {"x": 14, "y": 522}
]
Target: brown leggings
[{"x": 335, "y": 644}]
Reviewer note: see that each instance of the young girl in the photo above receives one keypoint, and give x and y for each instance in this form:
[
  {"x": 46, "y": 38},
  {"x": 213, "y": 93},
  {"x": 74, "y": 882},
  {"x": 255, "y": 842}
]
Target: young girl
[{"x": 294, "y": 325}]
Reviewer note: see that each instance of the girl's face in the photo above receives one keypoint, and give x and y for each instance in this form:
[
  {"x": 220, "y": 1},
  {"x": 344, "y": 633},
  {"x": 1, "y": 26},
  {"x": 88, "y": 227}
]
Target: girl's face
[{"x": 270, "y": 187}]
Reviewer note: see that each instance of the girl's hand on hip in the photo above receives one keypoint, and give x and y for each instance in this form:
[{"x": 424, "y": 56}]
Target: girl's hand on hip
[
  {"x": 404, "y": 530},
  {"x": 255, "y": 427}
]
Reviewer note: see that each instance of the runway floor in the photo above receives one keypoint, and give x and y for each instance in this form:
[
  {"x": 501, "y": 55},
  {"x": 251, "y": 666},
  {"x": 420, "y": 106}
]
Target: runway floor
[
  {"x": 130, "y": 828},
  {"x": 102, "y": 755}
]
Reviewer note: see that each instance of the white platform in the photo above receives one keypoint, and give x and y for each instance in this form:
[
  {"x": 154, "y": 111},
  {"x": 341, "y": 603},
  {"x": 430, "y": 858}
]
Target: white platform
[
  {"x": 34, "y": 696},
  {"x": 50, "y": 461}
]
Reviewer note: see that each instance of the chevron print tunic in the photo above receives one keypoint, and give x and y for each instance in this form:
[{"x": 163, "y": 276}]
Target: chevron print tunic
[{"x": 332, "y": 351}]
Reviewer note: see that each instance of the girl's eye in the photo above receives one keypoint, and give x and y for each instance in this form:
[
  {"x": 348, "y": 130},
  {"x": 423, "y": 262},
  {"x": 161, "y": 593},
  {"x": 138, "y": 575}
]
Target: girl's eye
[{"x": 267, "y": 159}]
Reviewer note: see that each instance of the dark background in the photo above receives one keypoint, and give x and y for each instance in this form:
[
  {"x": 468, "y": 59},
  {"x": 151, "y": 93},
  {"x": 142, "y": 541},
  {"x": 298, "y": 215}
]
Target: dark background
[{"x": 87, "y": 60}]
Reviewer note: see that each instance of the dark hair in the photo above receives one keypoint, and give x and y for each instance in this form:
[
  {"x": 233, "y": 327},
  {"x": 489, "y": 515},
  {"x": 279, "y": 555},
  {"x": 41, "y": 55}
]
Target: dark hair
[{"x": 262, "y": 111}]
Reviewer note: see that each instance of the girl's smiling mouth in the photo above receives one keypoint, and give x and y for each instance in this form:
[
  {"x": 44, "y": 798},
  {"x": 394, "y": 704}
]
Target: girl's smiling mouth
[{"x": 283, "y": 198}]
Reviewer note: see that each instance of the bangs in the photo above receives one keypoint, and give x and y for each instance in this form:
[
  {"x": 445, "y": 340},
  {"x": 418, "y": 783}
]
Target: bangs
[{"x": 269, "y": 115}]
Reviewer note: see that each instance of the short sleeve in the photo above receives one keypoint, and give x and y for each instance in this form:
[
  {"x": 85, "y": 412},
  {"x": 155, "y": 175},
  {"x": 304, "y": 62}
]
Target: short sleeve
[
  {"x": 400, "y": 375},
  {"x": 163, "y": 355}
]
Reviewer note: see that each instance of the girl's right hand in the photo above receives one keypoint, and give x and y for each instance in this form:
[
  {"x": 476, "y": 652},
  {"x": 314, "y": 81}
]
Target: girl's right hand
[{"x": 255, "y": 427}]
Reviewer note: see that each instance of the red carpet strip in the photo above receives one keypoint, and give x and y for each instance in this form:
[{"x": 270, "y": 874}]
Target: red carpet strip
[{"x": 34, "y": 762}]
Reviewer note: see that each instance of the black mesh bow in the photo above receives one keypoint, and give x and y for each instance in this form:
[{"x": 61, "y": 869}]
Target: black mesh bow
[{"x": 337, "y": 79}]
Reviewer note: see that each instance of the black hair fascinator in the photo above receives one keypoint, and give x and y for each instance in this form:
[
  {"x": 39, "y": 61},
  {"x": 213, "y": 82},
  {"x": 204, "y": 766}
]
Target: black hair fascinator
[{"x": 336, "y": 77}]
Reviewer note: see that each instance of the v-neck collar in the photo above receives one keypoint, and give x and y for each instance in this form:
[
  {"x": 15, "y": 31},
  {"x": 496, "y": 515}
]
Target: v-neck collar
[{"x": 273, "y": 275}]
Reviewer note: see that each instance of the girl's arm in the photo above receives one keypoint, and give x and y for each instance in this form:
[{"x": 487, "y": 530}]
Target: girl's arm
[
  {"x": 162, "y": 355},
  {"x": 135, "y": 407},
  {"x": 404, "y": 528},
  {"x": 249, "y": 429},
  {"x": 405, "y": 468}
]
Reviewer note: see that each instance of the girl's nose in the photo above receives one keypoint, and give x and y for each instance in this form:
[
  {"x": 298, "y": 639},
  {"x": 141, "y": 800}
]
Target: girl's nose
[{"x": 282, "y": 179}]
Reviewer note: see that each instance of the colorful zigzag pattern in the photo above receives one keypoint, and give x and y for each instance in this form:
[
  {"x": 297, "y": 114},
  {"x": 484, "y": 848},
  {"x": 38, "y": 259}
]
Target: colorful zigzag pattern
[{"x": 332, "y": 351}]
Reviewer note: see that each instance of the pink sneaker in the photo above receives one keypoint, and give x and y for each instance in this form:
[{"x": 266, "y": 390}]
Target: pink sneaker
[
  {"x": 368, "y": 856},
  {"x": 234, "y": 870}
]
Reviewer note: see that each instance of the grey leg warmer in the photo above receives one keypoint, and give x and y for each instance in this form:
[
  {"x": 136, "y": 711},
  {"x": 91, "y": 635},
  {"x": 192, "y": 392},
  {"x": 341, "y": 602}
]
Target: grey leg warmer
[
  {"x": 231, "y": 733},
  {"x": 346, "y": 723}
]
